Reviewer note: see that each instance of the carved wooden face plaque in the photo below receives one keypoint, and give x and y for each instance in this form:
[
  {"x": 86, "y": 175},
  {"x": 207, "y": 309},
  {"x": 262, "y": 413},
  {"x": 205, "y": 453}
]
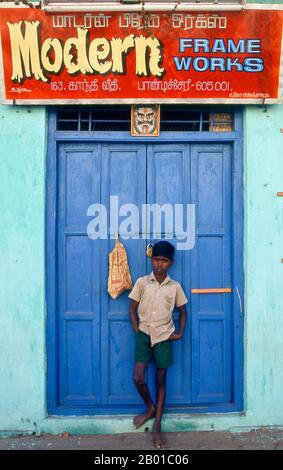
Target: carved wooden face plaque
[{"x": 145, "y": 120}]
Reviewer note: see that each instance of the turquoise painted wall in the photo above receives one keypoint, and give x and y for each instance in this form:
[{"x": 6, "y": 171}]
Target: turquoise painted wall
[
  {"x": 22, "y": 296},
  {"x": 264, "y": 272},
  {"x": 22, "y": 173}
]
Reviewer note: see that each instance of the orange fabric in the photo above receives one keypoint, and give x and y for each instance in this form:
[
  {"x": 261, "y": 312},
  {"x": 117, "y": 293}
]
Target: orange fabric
[{"x": 119, "y": 278}]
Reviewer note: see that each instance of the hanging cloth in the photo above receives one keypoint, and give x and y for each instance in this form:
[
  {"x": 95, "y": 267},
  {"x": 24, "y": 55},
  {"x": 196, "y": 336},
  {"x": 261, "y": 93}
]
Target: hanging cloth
[{"x": 119, "y": 277}]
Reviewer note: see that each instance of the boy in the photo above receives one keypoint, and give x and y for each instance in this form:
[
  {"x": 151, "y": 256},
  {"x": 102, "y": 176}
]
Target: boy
[{"x": 154, "y": 297}]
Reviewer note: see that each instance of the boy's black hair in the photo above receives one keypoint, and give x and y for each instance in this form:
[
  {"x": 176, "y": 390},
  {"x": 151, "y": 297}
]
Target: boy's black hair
[{"x": 163, "y": 248}]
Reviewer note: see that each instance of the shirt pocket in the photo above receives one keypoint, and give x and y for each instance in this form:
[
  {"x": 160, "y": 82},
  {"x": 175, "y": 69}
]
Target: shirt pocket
[{"x": 169, "y": 301}]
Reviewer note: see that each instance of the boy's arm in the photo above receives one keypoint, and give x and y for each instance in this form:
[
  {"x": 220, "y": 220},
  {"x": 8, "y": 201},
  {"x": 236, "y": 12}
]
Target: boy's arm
[
  {"x": 133, "y": 315},
  {"x": 183, "y": 317},
  {"x": 135, "y": 296}
]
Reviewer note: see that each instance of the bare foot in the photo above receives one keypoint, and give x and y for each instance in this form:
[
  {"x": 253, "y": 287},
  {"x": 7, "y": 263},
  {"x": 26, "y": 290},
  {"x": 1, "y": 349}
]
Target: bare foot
[
  {"x": 141, "y": 419},
  {"x": 158, "y": 437}
]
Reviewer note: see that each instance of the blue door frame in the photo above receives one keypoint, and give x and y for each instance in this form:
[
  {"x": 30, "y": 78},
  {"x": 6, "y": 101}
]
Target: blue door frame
[{"x": 235, "y": 141}]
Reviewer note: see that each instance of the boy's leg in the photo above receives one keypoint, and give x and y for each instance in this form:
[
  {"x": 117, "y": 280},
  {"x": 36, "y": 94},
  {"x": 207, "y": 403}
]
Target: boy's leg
[
  {"x": 160, "y": 380},
  {"x": 142, "y": 388}
]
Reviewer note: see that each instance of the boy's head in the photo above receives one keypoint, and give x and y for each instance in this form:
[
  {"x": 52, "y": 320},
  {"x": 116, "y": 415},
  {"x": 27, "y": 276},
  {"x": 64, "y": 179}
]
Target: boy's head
[{"x": 162, "y": 256}]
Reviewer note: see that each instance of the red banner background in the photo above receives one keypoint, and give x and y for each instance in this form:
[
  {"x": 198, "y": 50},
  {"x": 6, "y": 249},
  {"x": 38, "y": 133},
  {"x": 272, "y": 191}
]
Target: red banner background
[{"x": 262, "y": 26}]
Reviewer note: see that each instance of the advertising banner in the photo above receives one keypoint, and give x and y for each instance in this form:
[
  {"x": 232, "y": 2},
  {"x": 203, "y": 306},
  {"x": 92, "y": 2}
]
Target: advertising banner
[{"x": 160, "y": 57}]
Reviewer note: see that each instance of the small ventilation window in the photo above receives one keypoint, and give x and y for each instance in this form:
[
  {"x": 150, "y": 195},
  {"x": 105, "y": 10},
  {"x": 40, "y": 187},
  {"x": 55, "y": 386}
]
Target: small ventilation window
[
  {"x": 118, "y": 118},
  {"x": 104, "y": 118},
  {"x": 221, "y": 122},
  {"x": 181, "y": 119}
]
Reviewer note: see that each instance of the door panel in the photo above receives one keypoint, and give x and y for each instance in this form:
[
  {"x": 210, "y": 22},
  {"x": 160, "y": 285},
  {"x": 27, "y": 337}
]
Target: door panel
[
  {"x": 123, "y": 175},
  {"x": 78, "y": 276},
  {"x": 168, "y": 176},
  {"x": 211, "y": 268}
]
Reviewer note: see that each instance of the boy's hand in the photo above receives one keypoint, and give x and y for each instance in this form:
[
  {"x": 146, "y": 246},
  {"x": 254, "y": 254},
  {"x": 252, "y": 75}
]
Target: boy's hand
[{"x": 175, "y": 336}]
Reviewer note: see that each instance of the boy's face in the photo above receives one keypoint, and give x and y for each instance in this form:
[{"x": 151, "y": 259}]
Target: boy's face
[{"x": 160, "y": 264}]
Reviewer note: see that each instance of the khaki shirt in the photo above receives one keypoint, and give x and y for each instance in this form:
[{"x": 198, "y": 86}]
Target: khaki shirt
[{"x": 156, "y": 305}]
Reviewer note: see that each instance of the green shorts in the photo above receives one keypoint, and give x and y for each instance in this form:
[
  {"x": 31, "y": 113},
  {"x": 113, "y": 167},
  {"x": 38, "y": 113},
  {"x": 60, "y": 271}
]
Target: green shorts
[{"x": 162, "y": 351}]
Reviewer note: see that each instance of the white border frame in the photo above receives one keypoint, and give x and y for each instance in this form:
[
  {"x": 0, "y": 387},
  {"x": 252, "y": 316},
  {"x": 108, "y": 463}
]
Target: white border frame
[
  {"x": 252, "y": 6},
  {"x": 2, "y": 81}
]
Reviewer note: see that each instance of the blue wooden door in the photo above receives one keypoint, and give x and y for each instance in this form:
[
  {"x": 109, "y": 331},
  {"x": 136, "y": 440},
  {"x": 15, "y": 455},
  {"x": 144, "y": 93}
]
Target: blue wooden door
[
  {"x": 211, "y": 267},
  {"x": 95, "y": 339}
]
